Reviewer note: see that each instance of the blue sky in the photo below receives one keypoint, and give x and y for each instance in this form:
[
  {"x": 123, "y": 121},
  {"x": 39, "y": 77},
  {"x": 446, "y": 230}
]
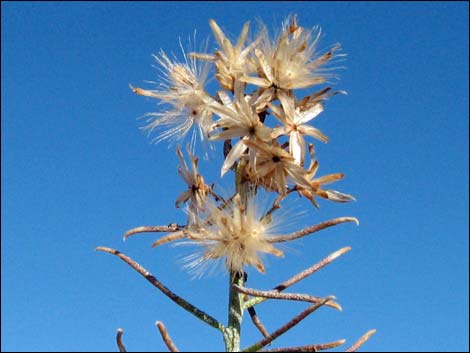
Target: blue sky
[{"x": 77, "y": 173}]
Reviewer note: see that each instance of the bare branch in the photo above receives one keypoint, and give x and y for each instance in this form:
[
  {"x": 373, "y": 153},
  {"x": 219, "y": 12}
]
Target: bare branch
[
  {"x": 311, "y": 270},
  {"x": 170, "y": 237},
  {"x": 273, "y": 294},
  {"x": 177, "y": 299},
  {"x": 152, "y": 229},
  {"x": 276, "y": 204},
  {"x": 166, "y": 337},
  {"x": 308, "y": 348},
  {"x": 312, "y": 229},
  {"x": 301, "y": 275},
  {"x": 257, "y": 322},
  {"x": 119, "y": 340},
  {"x": 267, "y": 340},
  {"x": 361, "y": 341},
  {"x": 254, "y": 317}
]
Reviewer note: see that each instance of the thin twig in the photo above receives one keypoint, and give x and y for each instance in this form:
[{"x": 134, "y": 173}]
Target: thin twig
[
  {"x": 273, "y": 294},
  {"x": 119, "y": 340},
  {"x": 216, "y": 196},
  {"x": 166, "y": 337},
  {"x": 170, "y": 237},
  {"x": 265, "y": 341},
  {"x": 308, "y": 348},
  {"x": 311, "y": 270},
  {"x": 257, "y": 322},
  {"x": 276, "y": 204},
  {"x": 152, "y": 229},
  {"x": 254, "y": 317},
  {"x": 177, "y": 299},
  {"x": 361, "y": 341},
  {"x": 301, "y": 275},
  {"x": 312, "y": 229}
]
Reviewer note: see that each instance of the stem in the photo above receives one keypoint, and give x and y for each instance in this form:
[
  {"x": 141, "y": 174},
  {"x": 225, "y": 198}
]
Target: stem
[
  {"x": 119, "y": 340},
  {"x": 301, "y": 275},
  {"x": 273, "y": 294},
  {"x": 312, "y": 229},
  {"x": 257, "y": 322},
  {"x": 308, "y": 348},
  {"x": 241, "y": 185},
  {"x": 235, "y": 314},
  {"x": 267, "y": 340},
  {"x": 166, "y": 337},
  {"x": 156, "y": 283},
  {"x": 361, "y": 341},
  {"x": 152, "y": 229},
  {"x": 235, "y": 305}
]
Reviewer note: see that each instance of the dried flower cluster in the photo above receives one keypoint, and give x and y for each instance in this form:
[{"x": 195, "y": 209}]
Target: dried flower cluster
[
  {"x": 266, "y": 128},
  {"x": 263, "y": 122}
]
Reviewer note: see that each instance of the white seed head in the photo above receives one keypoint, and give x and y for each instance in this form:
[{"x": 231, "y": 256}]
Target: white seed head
[{"x": 232, "y": 232}]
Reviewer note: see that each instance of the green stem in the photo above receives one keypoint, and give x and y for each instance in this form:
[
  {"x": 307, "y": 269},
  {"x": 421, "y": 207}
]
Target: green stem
[
  {"x": 235, "y": 314},
  {"x": 156, "y": 283}
]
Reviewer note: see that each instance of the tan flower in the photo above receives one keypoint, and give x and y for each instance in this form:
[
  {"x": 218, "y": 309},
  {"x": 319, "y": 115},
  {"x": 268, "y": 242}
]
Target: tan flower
[
  {"x": 291, "y": 62},
  {"x": 197, "y": 189},
  {"x": 183, "y": 89},
  {"x": 231, "y": 61},
  {"x": 237, "y": 119},
  {"x": 294, "y": 120},
  {"x": 273, "y": 166},
  {"x": 235, "y": 233},
  {"x": 317, "y": 183}
]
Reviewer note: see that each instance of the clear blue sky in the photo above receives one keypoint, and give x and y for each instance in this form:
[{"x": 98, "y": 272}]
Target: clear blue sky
[{"x": 77, "y": 173}]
